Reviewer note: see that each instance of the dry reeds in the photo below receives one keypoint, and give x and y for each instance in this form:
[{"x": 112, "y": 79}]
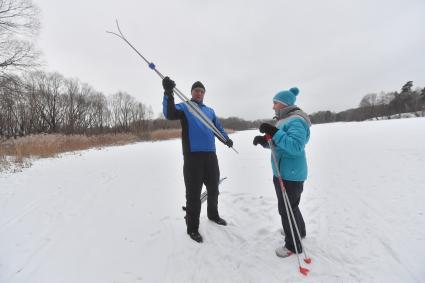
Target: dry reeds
[
  {"x": 165, "y": 134},
  {"x": 49, "y": 145}
]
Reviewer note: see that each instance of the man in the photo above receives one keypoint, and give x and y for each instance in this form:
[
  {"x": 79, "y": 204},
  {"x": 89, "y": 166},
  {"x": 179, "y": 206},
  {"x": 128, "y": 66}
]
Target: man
[
  {"x": 290, "y": 136},
  {"x": 200, "y": 160}
]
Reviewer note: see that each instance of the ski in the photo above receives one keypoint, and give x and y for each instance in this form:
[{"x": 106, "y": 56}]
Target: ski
[{"x": 204, "y": 194}]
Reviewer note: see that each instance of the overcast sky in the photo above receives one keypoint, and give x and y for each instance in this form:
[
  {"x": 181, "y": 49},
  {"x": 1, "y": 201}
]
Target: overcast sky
[{"x": 244, "y": 52}]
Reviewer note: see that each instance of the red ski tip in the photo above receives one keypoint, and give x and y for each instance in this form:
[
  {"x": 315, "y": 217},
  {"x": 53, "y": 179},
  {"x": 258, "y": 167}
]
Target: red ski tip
[
  {"x": 307, "y": 260},
  {"x": 304, "y": 270}
]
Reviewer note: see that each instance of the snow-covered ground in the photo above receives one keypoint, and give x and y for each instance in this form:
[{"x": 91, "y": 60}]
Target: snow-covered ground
[
  {"x": 114, "y": 215},
  {"x": 400, "y": 116}
]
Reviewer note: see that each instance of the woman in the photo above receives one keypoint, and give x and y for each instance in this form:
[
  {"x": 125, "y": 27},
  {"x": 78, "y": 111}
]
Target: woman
[{"x": 289, "y": 136}]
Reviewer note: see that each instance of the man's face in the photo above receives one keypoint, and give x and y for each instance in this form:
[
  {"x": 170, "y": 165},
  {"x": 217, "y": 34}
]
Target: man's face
[
  {"x": 278, "y": 105},
  {"x": 198, "y": 94}
]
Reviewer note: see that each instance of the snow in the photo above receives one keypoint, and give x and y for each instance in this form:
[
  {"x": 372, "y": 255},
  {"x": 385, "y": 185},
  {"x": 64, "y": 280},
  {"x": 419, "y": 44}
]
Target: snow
[
  {"x": 400, "y": 116},
  {"x": 114, "y": 215}
]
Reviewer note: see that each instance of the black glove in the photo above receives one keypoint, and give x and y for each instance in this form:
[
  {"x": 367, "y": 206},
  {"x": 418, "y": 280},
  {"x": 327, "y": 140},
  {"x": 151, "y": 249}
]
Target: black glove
[
  {"x": 168, "y": 85},
  {"x": 268, "y": 129},
  {"x": 229, "y": 143},
  {"x": 260, "y": 140}
]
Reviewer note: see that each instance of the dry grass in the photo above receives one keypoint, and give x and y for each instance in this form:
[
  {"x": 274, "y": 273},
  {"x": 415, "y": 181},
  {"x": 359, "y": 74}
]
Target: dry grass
[
  {"x": 41, "y": 146},
  {"x": 50, "y": 145},
  {"x": 158, "y": 135}
]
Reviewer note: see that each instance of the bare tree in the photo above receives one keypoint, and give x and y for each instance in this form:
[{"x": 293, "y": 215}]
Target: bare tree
[
  {"x": 71, "y": 100},
  {"x": 368, "y": 104},
  {"x": 50, "y": 88},
  {"x": 122, "y": 105},
  {"x": 369, "y": 100},
  {"x": 9, "y": 101},
  {"x": 97, "y": 117},
  {"x": 385, "y": 98},
  {"x": 19, "y": 25}
]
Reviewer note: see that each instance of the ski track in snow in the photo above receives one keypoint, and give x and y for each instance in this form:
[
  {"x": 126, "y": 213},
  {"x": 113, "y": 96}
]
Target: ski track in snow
[{"x": 114, "y": 215}]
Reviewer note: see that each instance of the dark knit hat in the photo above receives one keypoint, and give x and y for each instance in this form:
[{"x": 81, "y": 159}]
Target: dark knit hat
[{"x": 197, "y": 84}]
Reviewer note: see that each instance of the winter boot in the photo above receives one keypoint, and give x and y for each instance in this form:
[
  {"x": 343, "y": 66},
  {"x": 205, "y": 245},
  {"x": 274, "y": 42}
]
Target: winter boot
[
  {"x": 283, "y": 252},
  {"x": 219, "y": 221},
  {"x": 195, "y": 236}
]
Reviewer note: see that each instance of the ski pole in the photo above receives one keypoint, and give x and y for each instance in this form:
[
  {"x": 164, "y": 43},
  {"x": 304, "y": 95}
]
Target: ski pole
[
  {"x": 306, "y": 258},
  {"x": 302, "y": 269},
  {"x": 286, "y": 199},
  {"x": 193, "y": 107}
]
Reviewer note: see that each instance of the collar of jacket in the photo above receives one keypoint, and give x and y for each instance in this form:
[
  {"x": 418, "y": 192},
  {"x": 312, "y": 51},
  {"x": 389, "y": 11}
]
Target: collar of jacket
[
  {"x": 199, "y": 103},
  {"x": 282, "y": 115},
  {"x": 285, "y": 112}
]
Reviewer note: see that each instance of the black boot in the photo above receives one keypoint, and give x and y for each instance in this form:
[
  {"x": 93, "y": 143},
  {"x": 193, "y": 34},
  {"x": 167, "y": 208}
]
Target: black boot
[
  {"x": 195, "y": 236},
  {"x": 219, "y": 221}
]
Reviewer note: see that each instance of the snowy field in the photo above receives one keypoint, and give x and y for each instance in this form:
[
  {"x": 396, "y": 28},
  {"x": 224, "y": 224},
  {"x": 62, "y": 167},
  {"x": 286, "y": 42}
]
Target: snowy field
[{"x": 114, "y": 215}]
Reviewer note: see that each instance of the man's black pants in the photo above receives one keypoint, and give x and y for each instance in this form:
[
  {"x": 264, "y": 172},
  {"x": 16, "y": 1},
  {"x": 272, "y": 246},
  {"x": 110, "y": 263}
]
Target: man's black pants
[
  {"x": 293, "y": 190},
  {"x": 200, "y": 168}
]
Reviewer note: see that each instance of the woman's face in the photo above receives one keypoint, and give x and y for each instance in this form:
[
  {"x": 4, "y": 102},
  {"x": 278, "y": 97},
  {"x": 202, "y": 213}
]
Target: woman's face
[{"x": 278, "y": 105}]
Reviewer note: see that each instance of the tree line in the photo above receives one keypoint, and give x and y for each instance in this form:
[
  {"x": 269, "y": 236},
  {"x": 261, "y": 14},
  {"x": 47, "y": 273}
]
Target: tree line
[
  {"x": 40, "y": 102},
  {"x": 378, "y": 106}
]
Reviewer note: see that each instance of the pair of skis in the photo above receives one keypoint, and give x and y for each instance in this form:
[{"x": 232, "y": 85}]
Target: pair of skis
[
  {"x": 192, "y": 106},
  {"x": 204, "y": 194}
]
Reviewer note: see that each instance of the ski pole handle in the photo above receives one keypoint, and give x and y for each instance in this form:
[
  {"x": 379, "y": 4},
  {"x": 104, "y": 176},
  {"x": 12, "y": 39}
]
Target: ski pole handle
[{"x": 268, "y": 137}]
